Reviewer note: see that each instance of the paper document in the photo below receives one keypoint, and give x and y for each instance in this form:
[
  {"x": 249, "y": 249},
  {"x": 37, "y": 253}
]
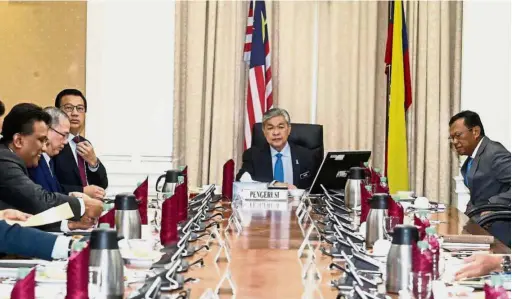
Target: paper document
[{"x": 52, "y": 215}]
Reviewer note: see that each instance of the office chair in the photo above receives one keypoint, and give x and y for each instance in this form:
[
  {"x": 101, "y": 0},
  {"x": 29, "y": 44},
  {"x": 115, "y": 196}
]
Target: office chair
[
  {"x": 309, "y": 136},
  {"x": 489, "y": 207},
  {"x": 497, "y": 224}
]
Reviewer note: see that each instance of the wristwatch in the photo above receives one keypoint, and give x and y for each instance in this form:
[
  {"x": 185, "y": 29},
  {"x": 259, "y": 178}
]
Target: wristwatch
[{"x": 505, "y": 264}]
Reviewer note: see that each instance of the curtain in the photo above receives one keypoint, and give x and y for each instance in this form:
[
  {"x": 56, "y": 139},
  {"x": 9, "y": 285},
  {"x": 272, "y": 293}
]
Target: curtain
[
  {"x": 435, "y": 35},
  {"x": 329, "y": 51}
]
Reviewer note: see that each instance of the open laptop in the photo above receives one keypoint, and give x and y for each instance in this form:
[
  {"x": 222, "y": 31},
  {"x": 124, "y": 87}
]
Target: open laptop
[{"x": 333, "y": 172}]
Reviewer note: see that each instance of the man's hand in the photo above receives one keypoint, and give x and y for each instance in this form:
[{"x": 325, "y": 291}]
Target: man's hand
[
  {"x": 84, "y": 223},
  {"x": 93, "y": 207},
  {"x": 86, "y": 151},
  {"x": 289, "y": 186},
  {"x": 478, "y": 265},
  {"x": 95, "y": 192},
  {"x": 10, "y": 214}
]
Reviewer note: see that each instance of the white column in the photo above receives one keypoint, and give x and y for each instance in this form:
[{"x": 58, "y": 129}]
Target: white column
[
  {"x": 486, "y": 80},
  {"x": 129, "y": 88},
  {"x": 314, "y": 77}
]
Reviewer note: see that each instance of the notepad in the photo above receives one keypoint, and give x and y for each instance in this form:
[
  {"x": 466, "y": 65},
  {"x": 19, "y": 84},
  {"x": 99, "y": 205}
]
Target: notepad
[{"x": 52, "y": 215}]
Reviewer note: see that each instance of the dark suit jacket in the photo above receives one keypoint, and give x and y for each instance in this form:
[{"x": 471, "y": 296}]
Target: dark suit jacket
[
  {"x": 258, "y": 163},
  {"x": 68, "y": 175},
  {"x": 26, "y": 241},
  {"x": 17, "y": 191},
  {"x": 42, "y": 176},
  {"x": 489, "y": 176}
]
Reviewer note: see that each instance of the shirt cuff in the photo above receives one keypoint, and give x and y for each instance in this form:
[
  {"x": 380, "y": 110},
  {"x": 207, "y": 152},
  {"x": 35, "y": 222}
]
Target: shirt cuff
[
  {"x": 82, "y": 206},
  {"x": 64, "y": 226},
  {"x": 61, "y": 248},
  {"x": 94, "y": 169}
]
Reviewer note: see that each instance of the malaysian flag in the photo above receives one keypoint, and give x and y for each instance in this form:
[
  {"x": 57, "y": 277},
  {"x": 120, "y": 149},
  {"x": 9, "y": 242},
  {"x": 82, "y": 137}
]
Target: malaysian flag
[{"x": 257, "y": 54}]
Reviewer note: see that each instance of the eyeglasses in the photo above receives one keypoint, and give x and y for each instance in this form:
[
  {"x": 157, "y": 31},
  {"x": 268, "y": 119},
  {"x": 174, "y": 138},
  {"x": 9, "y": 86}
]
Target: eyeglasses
[
  {"x": 69, "y": 108},
  {"x": 458, "y": 135},
  {"x": 60, "y": 133}
]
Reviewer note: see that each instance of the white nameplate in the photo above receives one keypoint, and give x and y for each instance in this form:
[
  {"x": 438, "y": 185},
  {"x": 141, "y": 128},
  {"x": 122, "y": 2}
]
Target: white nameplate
[
  {"x": 265, "y": 195},
  {"x": 265, "y": 205}
]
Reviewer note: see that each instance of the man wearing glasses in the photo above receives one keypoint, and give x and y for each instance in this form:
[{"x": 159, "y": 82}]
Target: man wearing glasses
[
  {"x": 44, "y": 173},
  {"x": 77, "y": 167},
  {"x": 486, "y": 171}
]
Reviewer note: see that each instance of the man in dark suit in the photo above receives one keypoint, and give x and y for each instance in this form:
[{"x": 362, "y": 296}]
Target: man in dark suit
[
  {"x": 44, "y": 173},
  {"x": 279, "y": 159},
  {"x": 25, "y": 131},
  {"x": 486, "y": 171},
  {"x": 77, "y": 167},
  {"x": 18, "y": 240}
]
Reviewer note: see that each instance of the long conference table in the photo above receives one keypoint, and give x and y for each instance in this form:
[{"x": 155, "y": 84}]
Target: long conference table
[{"x": 265, "y": 263}]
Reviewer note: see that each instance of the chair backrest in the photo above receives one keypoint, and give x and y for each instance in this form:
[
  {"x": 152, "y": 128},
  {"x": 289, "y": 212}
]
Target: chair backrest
[{"x": 309, "y": 136}]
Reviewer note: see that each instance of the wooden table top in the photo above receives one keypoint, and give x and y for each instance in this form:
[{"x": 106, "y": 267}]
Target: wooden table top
[{"x": 264, "y": 258}]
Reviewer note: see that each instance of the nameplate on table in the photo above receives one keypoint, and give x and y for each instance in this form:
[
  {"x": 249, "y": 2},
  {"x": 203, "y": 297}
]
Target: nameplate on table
[
  {"x": 265, "y": 205},
  {"x": 265, "y": 195}
]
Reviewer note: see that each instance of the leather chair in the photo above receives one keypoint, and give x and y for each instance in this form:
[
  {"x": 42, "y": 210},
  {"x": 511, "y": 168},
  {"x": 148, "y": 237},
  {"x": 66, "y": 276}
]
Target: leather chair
[
  {"x": 309, "y": 136},
  {"x": 489, "y": 207},
  {"x": 497, "y": 222}
]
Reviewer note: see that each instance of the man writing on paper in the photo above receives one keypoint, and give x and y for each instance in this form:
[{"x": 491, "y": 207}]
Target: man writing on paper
[
  {"x": 25, "y": 131},
  {"x": 44, "y": 173},
  {"x": 279, "y": 160},
  {"x": 486, "y": 171}
]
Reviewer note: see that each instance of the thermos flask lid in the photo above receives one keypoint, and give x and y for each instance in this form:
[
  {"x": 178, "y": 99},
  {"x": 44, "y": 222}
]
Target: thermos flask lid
[
  {"x": 172, "y": 176},
  {"x": 104, "y": 238},
  {"x": 356, "y": 173},
  {"x": 126, "y": 201},
  {"x": 405, "y": 234},
  {"x": 379, "y": 201}
]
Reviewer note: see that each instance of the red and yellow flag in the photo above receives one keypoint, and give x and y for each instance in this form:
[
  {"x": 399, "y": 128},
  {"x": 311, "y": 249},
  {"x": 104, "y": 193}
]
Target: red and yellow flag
[{"x": 400, "y": 98}]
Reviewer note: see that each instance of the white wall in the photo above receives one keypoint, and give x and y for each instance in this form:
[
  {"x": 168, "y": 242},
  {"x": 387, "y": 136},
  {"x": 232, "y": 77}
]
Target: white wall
[
  {"x": 486, "y": 80},
  {"x": 129, "y": 88}
]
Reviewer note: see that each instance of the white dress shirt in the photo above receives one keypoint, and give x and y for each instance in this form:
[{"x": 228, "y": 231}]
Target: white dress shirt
[
  {"x": 287, "y": 162},
  {"x": 61, "y": 248},
  {"x": 72, "y": 145},
  {"x": 473, "y": 155}
]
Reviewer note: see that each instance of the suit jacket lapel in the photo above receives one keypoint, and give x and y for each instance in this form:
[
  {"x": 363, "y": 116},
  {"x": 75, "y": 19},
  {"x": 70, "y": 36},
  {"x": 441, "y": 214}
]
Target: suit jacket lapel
[
  {"x": 474, "y": 165},
  {"x": 68, "y": 152},
  {"x": 50, "y": 179},
  {"x": 295, "y": 165},
  {"x": 266, "y": 160}
]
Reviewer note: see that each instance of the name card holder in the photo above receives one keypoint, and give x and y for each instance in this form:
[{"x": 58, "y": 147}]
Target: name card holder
[
  {"x": 264, "y": 195},
  {"x": 269, "y": 205},
  {"x": 226, "y": 276}
]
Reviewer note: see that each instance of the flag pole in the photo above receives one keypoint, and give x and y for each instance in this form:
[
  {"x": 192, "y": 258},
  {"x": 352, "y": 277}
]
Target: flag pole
[{"x": 388, "y": 88}]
